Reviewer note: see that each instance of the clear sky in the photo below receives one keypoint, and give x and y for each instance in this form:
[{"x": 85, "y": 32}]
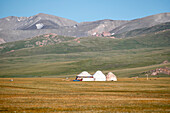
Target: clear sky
[{"x": 85, "y": 10}]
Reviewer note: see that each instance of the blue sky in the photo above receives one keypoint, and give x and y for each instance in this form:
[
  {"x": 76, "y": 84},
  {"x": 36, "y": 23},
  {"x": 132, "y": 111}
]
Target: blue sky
[{"x": 85, "y": 10}]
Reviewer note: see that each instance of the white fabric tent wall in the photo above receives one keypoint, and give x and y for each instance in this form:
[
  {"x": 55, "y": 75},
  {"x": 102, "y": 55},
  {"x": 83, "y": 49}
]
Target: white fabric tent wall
[
  {"x": 111, "y": 77},
  {"x": 88, "y": 79},
  {"x": 99, "y": 76}
]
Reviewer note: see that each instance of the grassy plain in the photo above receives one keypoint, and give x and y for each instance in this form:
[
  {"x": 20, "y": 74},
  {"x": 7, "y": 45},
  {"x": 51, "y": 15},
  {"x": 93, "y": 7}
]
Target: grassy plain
[{"x": 47, "y": 95}]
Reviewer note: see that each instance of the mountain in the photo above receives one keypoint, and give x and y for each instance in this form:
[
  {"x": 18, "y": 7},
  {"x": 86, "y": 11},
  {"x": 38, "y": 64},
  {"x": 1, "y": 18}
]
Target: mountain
[
  {"x": 142, "y": 23},
  {"x": 143, "y": 31},
  {"x": 31, "y": 23},
  {"x": 33, "y": 46},
  {"x": 19, "y": 28}
]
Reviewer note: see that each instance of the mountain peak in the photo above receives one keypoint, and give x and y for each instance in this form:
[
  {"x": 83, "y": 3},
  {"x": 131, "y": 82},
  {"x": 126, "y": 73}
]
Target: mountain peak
[{"x": 43, "y": 14}]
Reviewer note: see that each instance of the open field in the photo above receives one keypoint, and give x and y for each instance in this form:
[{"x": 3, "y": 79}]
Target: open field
[{"x": 30, "y": 95}]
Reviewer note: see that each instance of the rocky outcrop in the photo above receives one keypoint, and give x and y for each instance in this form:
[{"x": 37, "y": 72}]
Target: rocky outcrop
[
  {"x": 2, "y": 41},
  {"x": 164, "y": 70}
]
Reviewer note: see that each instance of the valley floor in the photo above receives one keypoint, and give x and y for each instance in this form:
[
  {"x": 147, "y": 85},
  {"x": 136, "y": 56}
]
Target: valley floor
[{"x": 31, "y": 95}]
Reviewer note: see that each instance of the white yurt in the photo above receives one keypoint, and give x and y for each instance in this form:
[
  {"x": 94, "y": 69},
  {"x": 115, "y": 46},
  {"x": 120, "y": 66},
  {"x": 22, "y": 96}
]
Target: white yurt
[
  {"x": 99, "y": 76},
  {"x": 111, "y": 77},
  {"x": 84, "y": 76}
]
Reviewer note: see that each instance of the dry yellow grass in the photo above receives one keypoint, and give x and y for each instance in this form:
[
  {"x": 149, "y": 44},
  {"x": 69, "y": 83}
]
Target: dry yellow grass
[{"x": 46, "y": 95}]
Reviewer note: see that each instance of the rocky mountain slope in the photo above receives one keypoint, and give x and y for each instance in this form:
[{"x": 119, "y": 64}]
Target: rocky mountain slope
[
  {"x": 19, "y": 28},
  {"x": 39, "y": 21},
  {"x": 143, "y": 31},
  {"x": 143, "y": 23}
]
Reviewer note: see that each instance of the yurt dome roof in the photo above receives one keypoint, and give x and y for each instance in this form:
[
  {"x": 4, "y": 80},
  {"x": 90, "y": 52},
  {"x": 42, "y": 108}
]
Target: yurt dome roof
[
  {"x": 99, "y": 74},
  {"x": 111, "y": 77},
  {"x": 111, "y": 74},
  {"x": 84, "y": 73}
]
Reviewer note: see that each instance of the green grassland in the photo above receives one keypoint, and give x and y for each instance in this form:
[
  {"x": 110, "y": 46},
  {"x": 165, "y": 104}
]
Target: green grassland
[
  {"x": 87, "y": 44},
  {"x": 74, "y": 63},
  {"x": 69, "y": 57},
  {"x": 57, "y": 95},
  {"x": 31, "y": 42}
]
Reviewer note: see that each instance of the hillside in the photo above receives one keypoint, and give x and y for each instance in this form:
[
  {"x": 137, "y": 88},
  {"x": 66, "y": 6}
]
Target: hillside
[
  {"x": 66, "y": 56},
  {"x": 143, "y": 31},
  {"x": 148, "y": 21},
  {"x": 38, "y": 41},
  {"x": 29, "y": 23},
  {"x": 124, "y": 63},
  {"x": 99, "y": 26},
  {"x": 59, "y": 44}
]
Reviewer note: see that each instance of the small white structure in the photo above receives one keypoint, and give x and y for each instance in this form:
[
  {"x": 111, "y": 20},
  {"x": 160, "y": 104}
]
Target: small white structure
[
  {"x": 84, "y": 76},
  {"x": 111, "y": 77},
  {"x": 99, "y": 76}
]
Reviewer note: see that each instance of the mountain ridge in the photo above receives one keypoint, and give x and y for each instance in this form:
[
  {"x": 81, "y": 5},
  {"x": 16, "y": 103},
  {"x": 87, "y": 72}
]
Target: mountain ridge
[
  {"x": 148, "y": 21},
  {"x": 18, "y": 28},
  {"x": 143, "y": 31}
]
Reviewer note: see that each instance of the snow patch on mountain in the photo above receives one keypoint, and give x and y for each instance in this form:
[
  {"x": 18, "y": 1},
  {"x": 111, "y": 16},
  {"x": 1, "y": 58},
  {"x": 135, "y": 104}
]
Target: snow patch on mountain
[
  {"x": 7, "y": 19},
  {"x": 40, "y": 25}
]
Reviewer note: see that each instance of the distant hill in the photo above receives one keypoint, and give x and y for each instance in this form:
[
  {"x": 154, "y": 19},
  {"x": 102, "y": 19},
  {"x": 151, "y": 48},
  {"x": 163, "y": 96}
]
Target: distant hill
[
  {"x": 38, "y": 41},
  {"x": 52, "y": 43},
  {"x": 19, "y": 28},
  {"x": 143, "y": 31}
]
